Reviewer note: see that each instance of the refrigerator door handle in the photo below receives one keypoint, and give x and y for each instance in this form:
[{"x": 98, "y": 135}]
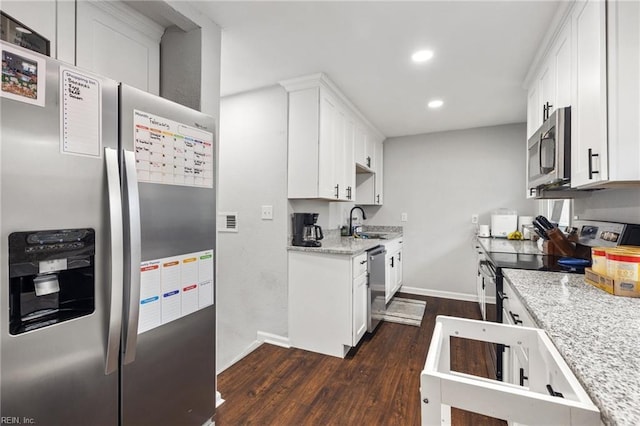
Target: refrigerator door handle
[
  {"x": 116, "y": 250},
  {"x": 132, "y": 278}
]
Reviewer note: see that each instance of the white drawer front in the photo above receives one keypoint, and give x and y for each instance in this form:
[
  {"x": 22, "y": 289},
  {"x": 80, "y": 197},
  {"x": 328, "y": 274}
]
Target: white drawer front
[{"x": 359, "y": 265}]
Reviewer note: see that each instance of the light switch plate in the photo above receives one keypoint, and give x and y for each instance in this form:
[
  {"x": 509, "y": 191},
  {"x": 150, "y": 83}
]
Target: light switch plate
[
  {"x": 403, "y": 217},
  {"x": 267, "y": 213}
]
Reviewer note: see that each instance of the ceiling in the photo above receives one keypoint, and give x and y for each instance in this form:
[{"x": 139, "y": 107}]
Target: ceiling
[{"x": 483, "y": 50}]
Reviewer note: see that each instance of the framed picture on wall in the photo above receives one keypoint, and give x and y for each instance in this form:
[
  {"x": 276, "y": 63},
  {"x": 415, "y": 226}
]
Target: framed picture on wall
[{"x": 19, "y": 34}]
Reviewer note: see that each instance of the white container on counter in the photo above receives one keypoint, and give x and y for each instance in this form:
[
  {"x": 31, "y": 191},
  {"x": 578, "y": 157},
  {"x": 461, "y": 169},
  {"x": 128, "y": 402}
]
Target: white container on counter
[
  {"x": 524, "y": 226},
  {"x": 503, "y": 222}
]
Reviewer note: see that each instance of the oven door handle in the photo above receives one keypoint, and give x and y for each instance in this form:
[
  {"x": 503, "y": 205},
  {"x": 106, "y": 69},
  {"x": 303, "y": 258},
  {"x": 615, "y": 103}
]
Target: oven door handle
[{"x": 486, "y": 270}]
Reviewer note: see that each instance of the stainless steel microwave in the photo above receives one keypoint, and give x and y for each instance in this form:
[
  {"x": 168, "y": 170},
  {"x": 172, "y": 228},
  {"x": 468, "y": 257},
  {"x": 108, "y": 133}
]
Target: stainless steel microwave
[{"x": 549, "y": 151}]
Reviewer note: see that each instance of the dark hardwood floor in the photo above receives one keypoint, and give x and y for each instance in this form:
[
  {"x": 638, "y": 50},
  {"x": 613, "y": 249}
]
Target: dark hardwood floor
[{"x": 378, "y": 383}]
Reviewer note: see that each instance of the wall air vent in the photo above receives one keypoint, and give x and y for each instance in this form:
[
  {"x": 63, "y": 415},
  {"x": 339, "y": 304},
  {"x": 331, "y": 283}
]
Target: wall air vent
[{"x": 228, "y": 222}]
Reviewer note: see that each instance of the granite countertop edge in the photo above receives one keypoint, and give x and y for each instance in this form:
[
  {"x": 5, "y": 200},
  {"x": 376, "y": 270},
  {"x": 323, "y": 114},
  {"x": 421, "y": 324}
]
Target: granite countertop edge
[
  {"x": 586, "y": 325},
  {"x": 335, "y": 244}
]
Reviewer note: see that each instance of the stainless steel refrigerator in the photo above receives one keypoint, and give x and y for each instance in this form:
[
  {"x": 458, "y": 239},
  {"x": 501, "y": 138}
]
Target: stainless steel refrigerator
[{"x": 107, "y": 220}]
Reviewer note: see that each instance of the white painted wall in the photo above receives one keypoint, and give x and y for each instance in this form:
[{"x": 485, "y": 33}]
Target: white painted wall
[
  {"x": 252, "y": 264},
  {"x": 181, "y": 66},
  {"x": 211, "y": 47},
  {"x": 440, "y": 180},
  {"x": 618, "y": 205}
]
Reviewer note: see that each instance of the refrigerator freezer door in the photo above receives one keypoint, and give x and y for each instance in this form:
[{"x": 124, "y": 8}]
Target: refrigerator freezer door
[
  {"x": 172, "y": 380},
  {"x": 56, "y": 374}
]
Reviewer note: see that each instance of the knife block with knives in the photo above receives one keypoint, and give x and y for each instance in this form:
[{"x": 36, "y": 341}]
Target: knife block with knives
[{"x": 556, "y": 243}]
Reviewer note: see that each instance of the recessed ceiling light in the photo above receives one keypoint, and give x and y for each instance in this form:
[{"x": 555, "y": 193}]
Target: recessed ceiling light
[
  {"x": 23, "y": 30},
  {"x": 422, "y": 56},
  {"x": 436, "y": 103}
]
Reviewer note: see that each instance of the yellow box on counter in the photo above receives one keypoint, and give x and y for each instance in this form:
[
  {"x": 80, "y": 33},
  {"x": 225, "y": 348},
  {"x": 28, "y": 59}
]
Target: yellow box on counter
[{"x": 616, "y": 287}]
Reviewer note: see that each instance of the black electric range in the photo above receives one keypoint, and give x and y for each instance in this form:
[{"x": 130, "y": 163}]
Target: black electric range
[
  {"x": 532, "y": 262},
  {"x": 499, "y": 256},
  {"x": 495, "y": 263}
]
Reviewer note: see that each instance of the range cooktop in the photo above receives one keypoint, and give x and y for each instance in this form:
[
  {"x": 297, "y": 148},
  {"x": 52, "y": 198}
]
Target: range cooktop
[{"x": 533, "y": 262}]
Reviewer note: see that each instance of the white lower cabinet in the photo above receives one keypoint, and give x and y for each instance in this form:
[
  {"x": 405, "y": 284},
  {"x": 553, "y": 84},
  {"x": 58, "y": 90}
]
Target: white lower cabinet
[
  {"x": 393, "y": 268},
  {"x": 327, "y": 301},
  {"x": 360, "y": 289}
]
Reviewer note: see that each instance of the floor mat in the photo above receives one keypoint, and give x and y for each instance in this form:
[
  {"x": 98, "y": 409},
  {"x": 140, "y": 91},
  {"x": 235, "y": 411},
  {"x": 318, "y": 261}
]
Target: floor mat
[{"x": 405, "y": 311}]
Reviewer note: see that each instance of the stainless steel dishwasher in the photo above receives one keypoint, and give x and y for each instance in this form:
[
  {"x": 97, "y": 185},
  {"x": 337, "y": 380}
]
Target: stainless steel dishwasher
[{"x": 376, "y": 306}]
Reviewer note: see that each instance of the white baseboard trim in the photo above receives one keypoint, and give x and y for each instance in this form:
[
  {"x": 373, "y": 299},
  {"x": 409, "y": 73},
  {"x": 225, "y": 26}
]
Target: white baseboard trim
[
  {"x": 252, "y": 347},
  {"x": 273, "y": 339},
  {"x": 262, "y": 337},
  {"x": 219, "y": 400},
  {"x": 439, "y": 293}
]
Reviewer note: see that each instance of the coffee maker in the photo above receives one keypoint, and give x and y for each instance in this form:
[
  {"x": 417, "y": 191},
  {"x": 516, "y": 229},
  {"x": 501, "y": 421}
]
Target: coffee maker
[{"x": 305, "y": 231}]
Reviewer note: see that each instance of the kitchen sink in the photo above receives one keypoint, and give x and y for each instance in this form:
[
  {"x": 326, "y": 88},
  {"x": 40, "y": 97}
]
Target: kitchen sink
[{"x": 377, "y": 235}]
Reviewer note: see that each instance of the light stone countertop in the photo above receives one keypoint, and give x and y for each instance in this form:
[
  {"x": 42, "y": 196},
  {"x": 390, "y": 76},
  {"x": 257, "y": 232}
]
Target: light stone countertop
[
  {"x": 598, "y": 335},
  {"x": 502, "y": 245},
  {"x": 333, "y": 243}
]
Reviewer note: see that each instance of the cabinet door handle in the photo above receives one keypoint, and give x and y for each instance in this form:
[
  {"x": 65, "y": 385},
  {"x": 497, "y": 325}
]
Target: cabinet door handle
[
  {"x": 392, "y": 262},
  {"x": 546, "y": 111},
  {"x": 522, "y": 377},
  {"x": 362, "y": 262},
  {"x": 399, "y": 256},
  {"x": 502, "y": 296},
  {"x": 368, "y": 161},
  {"x": 554, "y": 393},
  {"x": 378, "y": 200},
  {"x": 591, "y": 171},
  {"x": 337, "y": 187},
  {"x": 348, "y": 193},
  {"x": 515, "y": 318}
]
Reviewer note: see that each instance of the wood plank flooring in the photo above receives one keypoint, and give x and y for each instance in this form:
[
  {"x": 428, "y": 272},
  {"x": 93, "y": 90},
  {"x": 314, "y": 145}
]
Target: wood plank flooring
[{"x": 376, "y": 384}]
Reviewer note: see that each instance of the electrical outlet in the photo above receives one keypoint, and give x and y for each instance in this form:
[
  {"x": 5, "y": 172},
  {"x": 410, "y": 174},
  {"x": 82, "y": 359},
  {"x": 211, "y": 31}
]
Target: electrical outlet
[
  {"x": 474, "y": 218},
  {"x": 267, "y": 213},
  {"x": 403, "y": 217}
]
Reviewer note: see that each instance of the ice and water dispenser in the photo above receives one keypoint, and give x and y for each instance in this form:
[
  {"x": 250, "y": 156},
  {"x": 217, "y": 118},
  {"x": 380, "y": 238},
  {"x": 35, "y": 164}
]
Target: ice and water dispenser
[{"x": 51, "y": 277}]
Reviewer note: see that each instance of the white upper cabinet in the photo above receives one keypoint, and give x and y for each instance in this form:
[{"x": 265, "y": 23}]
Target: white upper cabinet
[
  {"x": 379, "y": 157},
  {"x": 316, "y": 145},
  {"x": 118, "y": 42},
  {"x": 369, "y": 184},
  {"x": 534, "y": 118},
  {"x": 328, "y": 170},
  {"x": 364, "y": 155},
  {"x": 349, "y": 176},
  {"x": 589, "y": 94},
  {"x": 623, "y": 81},
  {"x": 592, "y": 64},
  {"x": 561, "y": 57},
  {"x": 325, "y": 133},
  {"x": 551, "y": 88}
]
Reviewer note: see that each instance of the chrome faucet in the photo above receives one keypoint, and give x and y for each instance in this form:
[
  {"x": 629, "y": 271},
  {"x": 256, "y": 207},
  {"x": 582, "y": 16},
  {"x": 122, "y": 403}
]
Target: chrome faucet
[{"x": 364, "y": 216}]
